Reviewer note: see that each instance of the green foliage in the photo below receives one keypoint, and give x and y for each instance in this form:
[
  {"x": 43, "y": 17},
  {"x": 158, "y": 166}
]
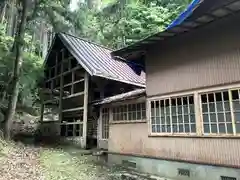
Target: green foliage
[
  {"x": 120, "y": 23},
  {"x": 31, "y": 70}
]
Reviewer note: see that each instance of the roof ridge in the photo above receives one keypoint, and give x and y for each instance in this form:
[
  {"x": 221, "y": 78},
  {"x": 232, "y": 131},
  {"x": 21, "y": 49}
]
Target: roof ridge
[{"x": 86, "y": 40}]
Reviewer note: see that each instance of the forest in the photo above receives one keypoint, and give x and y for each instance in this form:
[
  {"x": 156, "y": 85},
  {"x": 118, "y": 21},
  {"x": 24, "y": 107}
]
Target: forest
[{"x": 27, "y": 28}]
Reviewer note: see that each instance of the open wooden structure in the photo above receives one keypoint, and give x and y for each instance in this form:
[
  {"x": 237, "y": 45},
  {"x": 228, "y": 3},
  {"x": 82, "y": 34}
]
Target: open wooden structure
[{"x": 78, "y": 73}]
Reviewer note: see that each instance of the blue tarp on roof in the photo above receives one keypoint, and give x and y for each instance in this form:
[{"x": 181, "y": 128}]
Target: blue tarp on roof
[{"x": 185, "y": 14}]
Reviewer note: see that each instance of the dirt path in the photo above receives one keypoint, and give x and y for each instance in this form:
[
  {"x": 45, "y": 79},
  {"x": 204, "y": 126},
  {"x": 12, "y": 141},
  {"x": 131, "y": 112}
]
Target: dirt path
[{"x": 19, "y": 162}]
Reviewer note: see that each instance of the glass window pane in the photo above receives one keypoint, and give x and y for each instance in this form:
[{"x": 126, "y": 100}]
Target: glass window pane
[
  {"x": 222, "y": 128},
  {"x": 228, "y": 117},
  {"x": 235, "y": 94},
  {"x": 163, "y": 128},
  {"x": 153, "y": 120},
  {"x": 134, "y": 115},
  {"x": 237, "y": 117},
  {"x": 138, "y": 107},
  {"x": 158, "y": 111},
  {"x": 168, "y": 120},
  {"x": 206, "y": 128},
  {"x": 220, "y": 117},
  {"x": 174, "y": 119},
  {"x": 227, "y": 106},
  {"x": 157, "y": 120},
  {"x": 193, "y": 128},
  {"x": 219, "y": 106},
  {"x": 168, "y": 110},
  {"x": 212, "y": 107},
  {"x": 168, "y": 128},
  {"x": 214, "y": 128},
  {"x": 139, "y": 115},
  {"x": 121, "y": 116},
  {"x": 204, "y": 108},
  {"x": 134, "y": 107},
  {"x": 175, "y": 129},
  {"x": 125, "y": 116},
  {"x": 153, "y": 128},
  {"x": 180, "y": 119},
  {"x": 187, "y": 129},
  {"x": 229, "y": 128},
  {"x": 180, "y": 110},
  {"x": 174, "y": 110},
  {"x": 163, "y": 120},
  {"x": 162, "y": 112},
  {"x": 191, "y": 109},
  {"x": 185, "y": 109},
  {"x": 192, "y": 119},
  {"x": 180, "y": 128},
  {"x": 236, "y": 105},
  {"x": 238, "y": 127},
  {"x": 158, "y": 128},
  {"x": 186, "y": 119},
  {"x": 213, "y": 117},
  {"x": 130, "y": 116}
]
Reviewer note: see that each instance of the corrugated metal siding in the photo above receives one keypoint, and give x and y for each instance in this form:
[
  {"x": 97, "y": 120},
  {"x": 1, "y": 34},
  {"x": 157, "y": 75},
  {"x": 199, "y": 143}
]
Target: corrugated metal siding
[
  {"x": 209, "y": 56},
  {"x": 97, "y": 61},
  {"x": 199, "y": 150}
]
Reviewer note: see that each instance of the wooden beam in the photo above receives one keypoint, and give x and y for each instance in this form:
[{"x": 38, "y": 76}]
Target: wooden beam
[
  {"x": 85, "y": 111},
  {"x": 72, "y": 87},
  {"x": 61, "y": 90},
  {"x": 74, "y": 95},
  {"x": 64, "y": 73},
  {"x": 73, "y": 109}
]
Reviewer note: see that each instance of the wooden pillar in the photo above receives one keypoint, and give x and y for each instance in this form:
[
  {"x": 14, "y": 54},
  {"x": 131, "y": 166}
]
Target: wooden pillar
[
  {"x": 42, "y": 111},
  {"x": 85, "y": 110},
  {"x": 61, "y": 89}
]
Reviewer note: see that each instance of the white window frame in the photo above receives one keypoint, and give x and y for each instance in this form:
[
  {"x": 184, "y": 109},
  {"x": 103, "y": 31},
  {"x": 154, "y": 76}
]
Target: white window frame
[
  {"x": 112, "y": 121},
  {"x": 172, "y": 133},
  {"x": 102, "y": 128},
  {"x": 198, "y": 111}
]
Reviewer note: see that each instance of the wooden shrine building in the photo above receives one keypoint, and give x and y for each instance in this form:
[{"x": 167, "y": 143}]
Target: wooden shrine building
[{"x": 78, "y": 73}]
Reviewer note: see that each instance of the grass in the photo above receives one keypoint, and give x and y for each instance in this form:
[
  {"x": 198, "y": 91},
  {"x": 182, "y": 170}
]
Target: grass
[
  {"x": 4, "y": 148},
  {"x": 70, "y": 163},
  {"x": 61, "y": 163}
]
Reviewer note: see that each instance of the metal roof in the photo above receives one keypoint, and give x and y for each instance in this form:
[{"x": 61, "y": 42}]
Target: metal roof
[
  {"x": 120, "y": 97},
  {"x": 97, "y": 61},
  {"x": 197, "y": 14}
]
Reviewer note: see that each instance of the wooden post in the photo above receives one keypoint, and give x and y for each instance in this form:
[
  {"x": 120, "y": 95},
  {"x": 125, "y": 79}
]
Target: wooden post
[
  {"x": 85, "y": 110},
  {"x": 42, "y": 110},
  {"x": 61, "y": 89}
]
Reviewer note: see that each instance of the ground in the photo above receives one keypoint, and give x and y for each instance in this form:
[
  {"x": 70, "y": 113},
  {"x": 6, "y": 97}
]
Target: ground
[{"x": 28, "y": 162}]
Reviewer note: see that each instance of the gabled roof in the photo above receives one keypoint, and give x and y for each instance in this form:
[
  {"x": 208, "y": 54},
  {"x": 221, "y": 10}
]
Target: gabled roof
[
  {"x": 97, "y": 61},
  {"x": 197, "y": 14}
]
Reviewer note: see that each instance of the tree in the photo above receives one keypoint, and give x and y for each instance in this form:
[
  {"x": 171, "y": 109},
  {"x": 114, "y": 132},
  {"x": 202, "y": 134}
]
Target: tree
[
  {"x": 120, "y": 23},
  {"x": 31, "y": 12},
  {"x": 14, "y": 84}
]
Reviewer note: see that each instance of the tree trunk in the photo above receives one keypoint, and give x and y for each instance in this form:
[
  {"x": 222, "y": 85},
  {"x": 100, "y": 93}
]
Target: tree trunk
[
  {"x": 14, "y": 90},
  {"x": 3, "y": 12}
]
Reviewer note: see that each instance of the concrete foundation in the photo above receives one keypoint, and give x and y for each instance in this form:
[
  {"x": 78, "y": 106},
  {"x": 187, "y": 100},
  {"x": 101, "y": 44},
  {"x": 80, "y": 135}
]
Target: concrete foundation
[{"x": 174, "y": 170}]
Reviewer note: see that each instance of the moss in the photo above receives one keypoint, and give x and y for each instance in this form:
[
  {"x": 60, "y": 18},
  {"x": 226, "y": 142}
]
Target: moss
[{"x": 74, "y": 165}]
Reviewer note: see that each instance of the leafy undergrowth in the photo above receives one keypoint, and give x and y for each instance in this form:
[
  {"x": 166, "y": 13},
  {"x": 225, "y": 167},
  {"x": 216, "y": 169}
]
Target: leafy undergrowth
[
  {"x": 27, "y": 162},
  {"x": 72, "y": 164},
  {"x": 19, "y": 162}
]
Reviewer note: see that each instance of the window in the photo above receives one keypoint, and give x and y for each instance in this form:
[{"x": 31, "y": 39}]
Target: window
[
  {"x": 219, "y": 114},
  {"x": 220, "y": 110},
  {"x": 216, "y": 113},
  {"x": 105, "y": 123},
  {"x": 130, "y": 112},
  {"x": 173, "y": 115}
]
